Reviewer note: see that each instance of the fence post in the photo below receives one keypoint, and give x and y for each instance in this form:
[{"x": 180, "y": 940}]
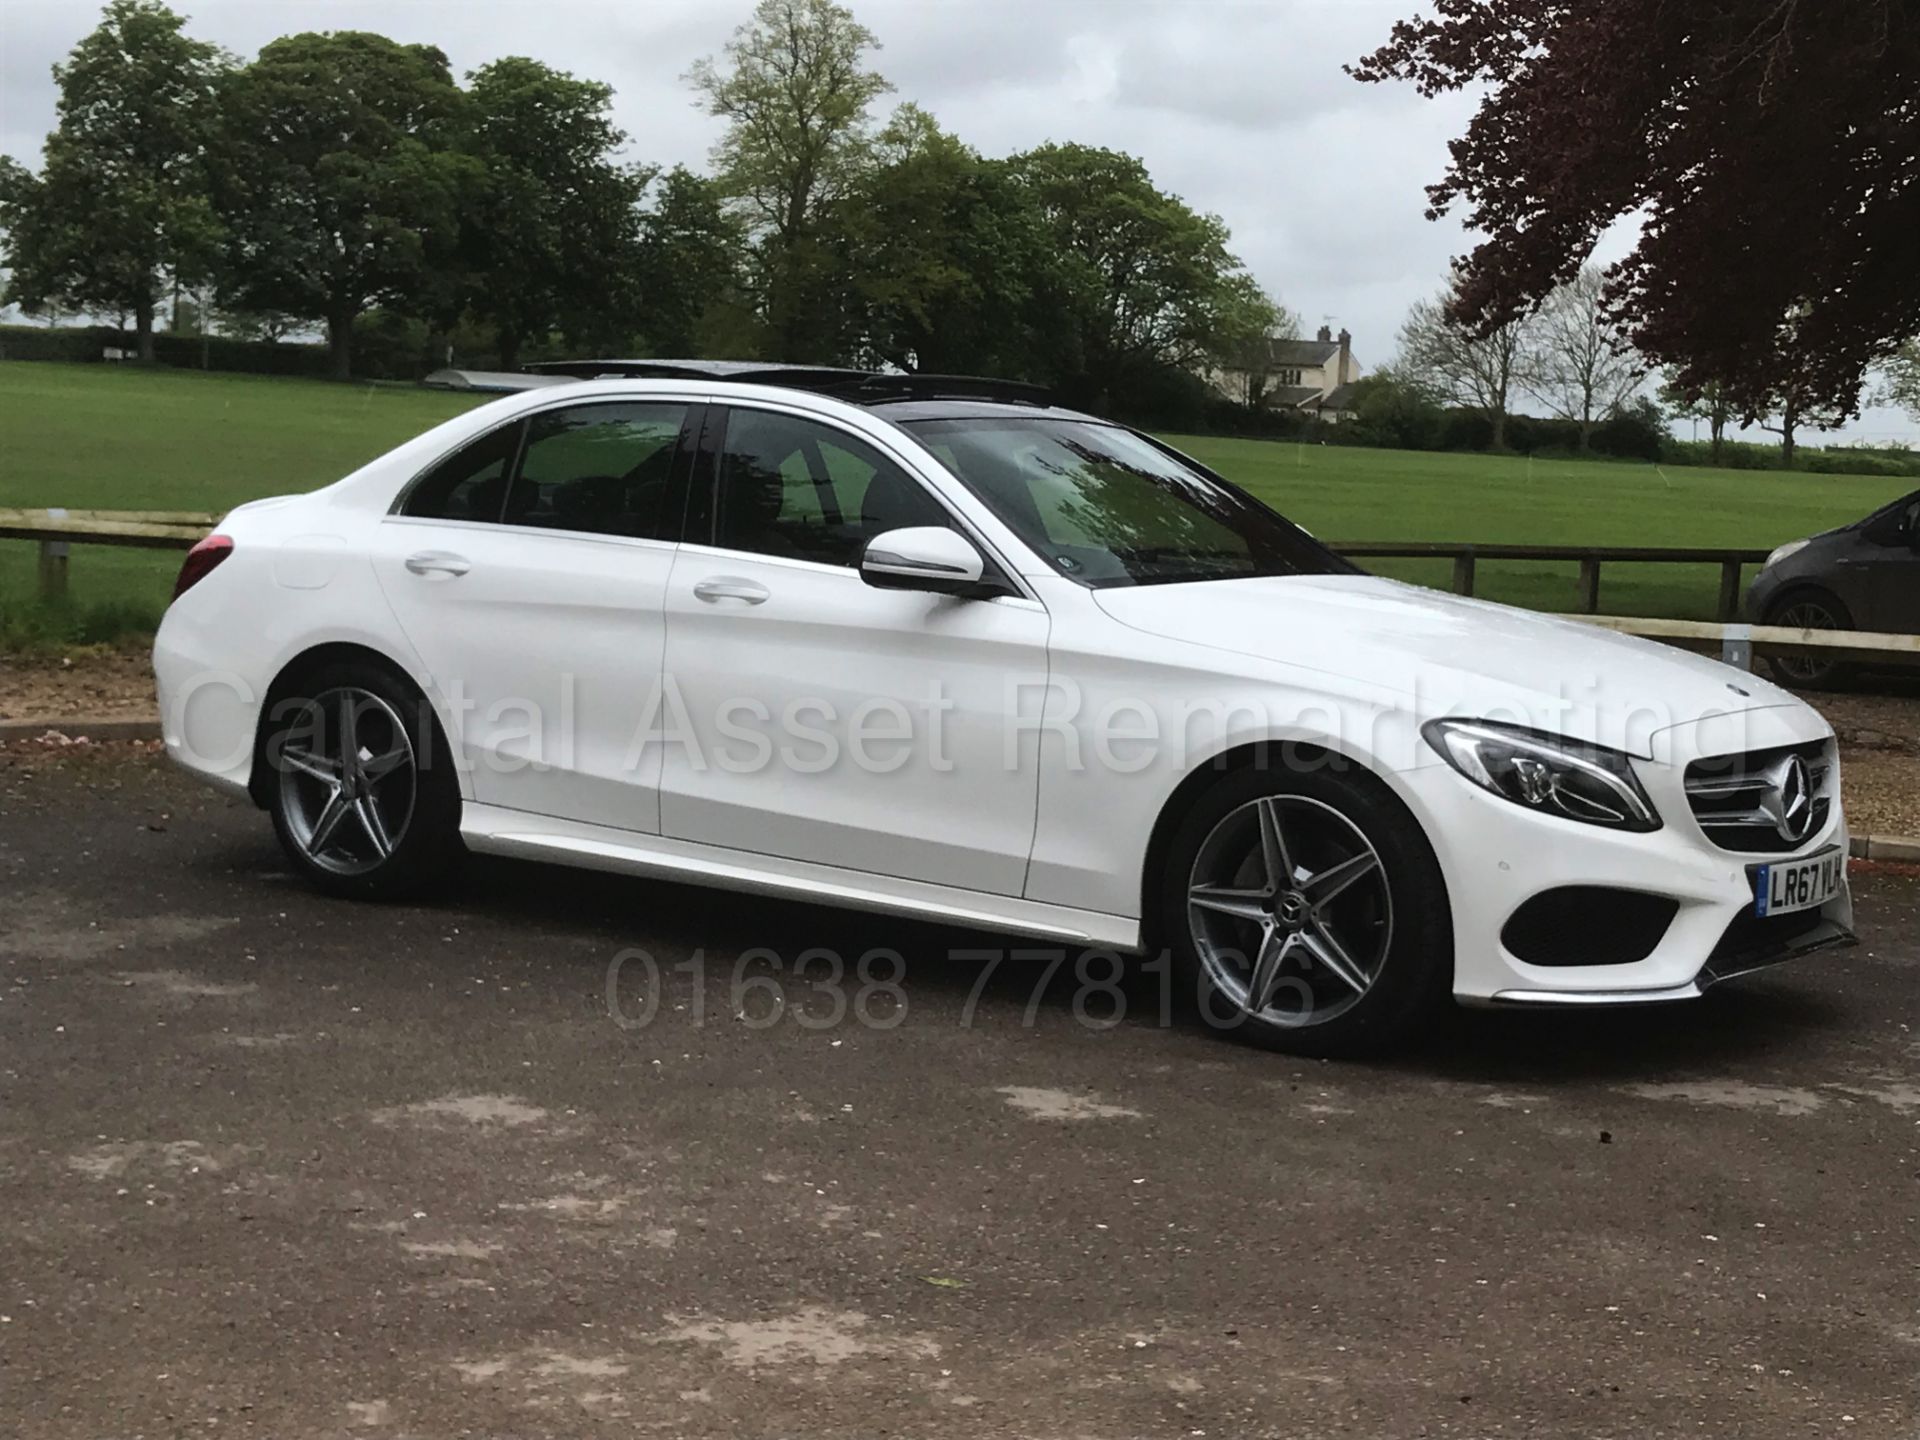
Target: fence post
[
  {"x": 1463, "y": 572},
  {"x": 1729, "y": 591},
  {"x": 1589, "y": 587},
  {"x": 53, "y": 563},
  {"x": 1736, "y": 646}
]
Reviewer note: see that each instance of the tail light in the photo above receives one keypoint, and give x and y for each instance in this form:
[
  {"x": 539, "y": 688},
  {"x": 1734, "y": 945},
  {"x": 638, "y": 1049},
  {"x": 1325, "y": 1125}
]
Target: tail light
[{"x": 200, "y": 562}]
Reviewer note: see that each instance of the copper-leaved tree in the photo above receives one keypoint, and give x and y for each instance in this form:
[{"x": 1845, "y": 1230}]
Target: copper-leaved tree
[{"x": 1769, "y": 149}]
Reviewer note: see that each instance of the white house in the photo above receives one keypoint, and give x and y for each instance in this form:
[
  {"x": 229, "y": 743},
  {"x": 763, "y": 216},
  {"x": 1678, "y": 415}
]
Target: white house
[{"x": 1315, "y": 376}]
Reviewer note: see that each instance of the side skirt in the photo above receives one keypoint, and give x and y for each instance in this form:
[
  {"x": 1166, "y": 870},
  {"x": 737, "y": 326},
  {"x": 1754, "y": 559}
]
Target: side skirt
[{"x": 492, "y": 830}]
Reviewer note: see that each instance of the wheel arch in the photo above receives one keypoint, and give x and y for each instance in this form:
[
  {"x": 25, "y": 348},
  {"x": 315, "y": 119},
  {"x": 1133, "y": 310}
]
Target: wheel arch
[
  {"x": 1809, "y": 588},
  {"x": 290, "y": 675},
  {"x": 1250, "y": 755}
]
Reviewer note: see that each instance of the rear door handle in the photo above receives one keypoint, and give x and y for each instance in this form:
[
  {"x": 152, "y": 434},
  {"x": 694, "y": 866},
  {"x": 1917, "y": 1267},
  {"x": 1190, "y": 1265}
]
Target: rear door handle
[
  {"x": 730, "y": 587},
  {"x": 438, "y": 562}
]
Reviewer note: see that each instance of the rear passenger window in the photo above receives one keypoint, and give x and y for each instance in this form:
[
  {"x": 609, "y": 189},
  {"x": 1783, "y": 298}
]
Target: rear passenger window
[
  {"x": 471, "y": 483},
  {"x": 604, "y": 469}
]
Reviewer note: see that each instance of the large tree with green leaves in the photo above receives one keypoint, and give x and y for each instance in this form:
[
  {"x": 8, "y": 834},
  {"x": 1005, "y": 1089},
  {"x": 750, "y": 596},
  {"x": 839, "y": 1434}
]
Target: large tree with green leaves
[
  {"x": 554, "y": 224},
  {"x": 938, "y": 250},
  {"x": 343, "y": 181},
  {"x": 793, "y": 87},
  {"x": 1136, "y": 279},
  {"x": 687, "y": 282},
  {"x": 120, "y": 209}
]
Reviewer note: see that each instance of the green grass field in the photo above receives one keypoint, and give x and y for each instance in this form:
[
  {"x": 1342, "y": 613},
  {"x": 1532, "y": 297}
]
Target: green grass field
[{"x": 110, "y": 438}]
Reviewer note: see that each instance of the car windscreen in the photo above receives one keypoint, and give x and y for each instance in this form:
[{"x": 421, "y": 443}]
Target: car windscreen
[{"x": 1106, "y": 507}]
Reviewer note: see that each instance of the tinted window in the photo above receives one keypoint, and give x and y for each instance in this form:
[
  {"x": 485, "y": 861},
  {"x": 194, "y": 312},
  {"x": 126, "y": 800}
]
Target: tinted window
[
  {"x": 605, "y": 469},
  {"x": 1103, "y": 506},
  {"x": 804, "y": 490},
  {"x": 471, "y": 483}
]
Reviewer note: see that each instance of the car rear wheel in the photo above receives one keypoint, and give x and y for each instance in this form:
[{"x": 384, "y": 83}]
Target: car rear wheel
[
  {"x": 1307, "y": 912},
  {"x": 363, "y": 794},
  {"x": 1808, "y": 610}
]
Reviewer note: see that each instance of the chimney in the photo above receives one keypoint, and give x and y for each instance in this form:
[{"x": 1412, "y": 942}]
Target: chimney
[
  {"x": 1326, "y": 334},
  {"x": 1345, "y": 372}
]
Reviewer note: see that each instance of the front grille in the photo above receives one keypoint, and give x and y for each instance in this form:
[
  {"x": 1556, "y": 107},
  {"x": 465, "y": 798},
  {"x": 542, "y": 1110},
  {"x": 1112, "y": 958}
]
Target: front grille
[{"x": 1739, "y": 800}]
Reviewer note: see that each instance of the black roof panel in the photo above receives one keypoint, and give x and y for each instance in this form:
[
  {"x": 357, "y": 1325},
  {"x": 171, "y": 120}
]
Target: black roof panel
[{"x": 861, "y": 387}]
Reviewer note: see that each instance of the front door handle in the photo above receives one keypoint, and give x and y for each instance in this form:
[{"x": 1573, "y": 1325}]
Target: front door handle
[
  {"x": 730, "y": 587},
  {"x": 438, "y": 562}
]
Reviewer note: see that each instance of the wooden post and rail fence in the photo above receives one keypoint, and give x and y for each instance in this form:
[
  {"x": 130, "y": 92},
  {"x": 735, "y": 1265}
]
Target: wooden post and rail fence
[{"x": 57, "y": 530}]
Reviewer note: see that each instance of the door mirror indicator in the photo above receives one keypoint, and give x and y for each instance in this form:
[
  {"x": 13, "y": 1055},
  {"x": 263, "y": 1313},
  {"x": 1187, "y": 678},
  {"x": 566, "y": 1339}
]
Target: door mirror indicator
[{"x": 923, "y": 557}]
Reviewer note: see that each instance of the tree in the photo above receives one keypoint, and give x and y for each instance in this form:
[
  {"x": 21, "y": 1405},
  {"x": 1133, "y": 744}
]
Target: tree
[
  {"x": 554, "y": 225},
  {"x": 1766, "y": 146},
  {"x": 1458, "y": 366},
  {"x": 120, "y": 210},
  {"x": 1583, "y": 369},
  {"x": 1134, "y": 279},
  {"x": 270, "y": 326},
  {"x": 936, "y": 249},
  {"x": 1903, "y": 379},
  {"x": 687, "y": 267},
  {"x": 793, "y": 88},
  {"x": 1709, "y": 402},
  {"x": 341, "y": 182}
]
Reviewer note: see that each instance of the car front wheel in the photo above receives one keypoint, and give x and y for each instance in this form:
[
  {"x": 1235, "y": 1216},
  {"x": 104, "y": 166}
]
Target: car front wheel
[
  {"x": 1306, "y": 912},
  {"x": 1809, "y": 610}
]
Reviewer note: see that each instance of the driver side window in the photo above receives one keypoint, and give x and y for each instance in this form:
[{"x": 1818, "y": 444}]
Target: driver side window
[{"x": 805, "y": 491}]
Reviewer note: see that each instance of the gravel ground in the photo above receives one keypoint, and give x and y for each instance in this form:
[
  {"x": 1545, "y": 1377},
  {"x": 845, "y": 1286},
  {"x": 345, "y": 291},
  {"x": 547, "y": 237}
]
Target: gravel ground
[
  {"x": 94, "y": 684},
  {"x": 278, "y": 1166}
]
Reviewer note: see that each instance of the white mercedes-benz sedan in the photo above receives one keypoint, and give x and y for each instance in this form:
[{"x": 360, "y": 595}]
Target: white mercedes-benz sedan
[{"x": 940, "y": 648}]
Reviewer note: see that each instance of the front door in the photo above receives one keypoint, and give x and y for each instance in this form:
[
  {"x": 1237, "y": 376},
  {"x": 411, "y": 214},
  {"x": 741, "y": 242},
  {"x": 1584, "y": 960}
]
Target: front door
[
  {"x": 824, "y": 720},
  {"x": 529, "y": 572}
]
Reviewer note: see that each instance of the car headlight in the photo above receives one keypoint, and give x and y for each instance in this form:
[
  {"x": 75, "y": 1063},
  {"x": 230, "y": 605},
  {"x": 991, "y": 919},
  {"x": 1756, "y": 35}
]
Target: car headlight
[
  {"x": 1786, "y": 551},
  {"x": 1548, "y": 773}
]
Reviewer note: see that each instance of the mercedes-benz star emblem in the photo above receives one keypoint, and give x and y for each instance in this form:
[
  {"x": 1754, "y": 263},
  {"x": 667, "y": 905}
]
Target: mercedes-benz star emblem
[{"x": 1788, "y": 799}]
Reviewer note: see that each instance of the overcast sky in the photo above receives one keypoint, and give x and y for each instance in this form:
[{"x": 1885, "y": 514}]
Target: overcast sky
[{"x": 1238, "y": 106}]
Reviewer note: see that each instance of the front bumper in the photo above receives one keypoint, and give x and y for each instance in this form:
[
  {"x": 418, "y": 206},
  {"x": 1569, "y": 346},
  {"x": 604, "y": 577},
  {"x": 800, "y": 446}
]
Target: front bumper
[{"x": 1496, "y": 856}]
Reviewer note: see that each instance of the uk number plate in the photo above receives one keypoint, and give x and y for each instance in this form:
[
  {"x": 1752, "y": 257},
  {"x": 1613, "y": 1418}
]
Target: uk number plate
[{"x": 1790, "y": 885}]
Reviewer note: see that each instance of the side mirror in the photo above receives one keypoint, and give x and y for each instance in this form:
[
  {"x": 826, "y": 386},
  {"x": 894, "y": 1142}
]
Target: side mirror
[{"x": 922, "y": 557}]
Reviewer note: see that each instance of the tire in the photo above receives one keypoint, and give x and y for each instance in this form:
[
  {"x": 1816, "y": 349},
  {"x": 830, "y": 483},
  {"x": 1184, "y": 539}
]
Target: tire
[
  {"x": 1809, "y": 609},
  {"x": 391, "y": 827},
  {"x": 1388, "y": 970}
]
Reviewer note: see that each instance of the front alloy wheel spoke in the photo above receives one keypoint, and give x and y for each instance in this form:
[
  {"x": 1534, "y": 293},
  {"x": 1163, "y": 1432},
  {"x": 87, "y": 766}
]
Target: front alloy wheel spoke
[
  {"x": 1240, "y": 904},
  {"x": 1323, "y": 946},
  {"x": 1273, "y": 847},
  {"x": 1275, "y": 946},
  {"x": 1321, "y": 888},
  {"x": 331, "y": 815}
]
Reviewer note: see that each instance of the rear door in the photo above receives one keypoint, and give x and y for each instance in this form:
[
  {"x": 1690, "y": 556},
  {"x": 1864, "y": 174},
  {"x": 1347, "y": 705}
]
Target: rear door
[{"x": 529, "y": 571}]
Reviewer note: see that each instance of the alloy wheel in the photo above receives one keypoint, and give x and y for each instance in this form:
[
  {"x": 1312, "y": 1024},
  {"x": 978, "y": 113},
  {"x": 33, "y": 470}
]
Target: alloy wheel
[
  {"x": 1290, "y": 911},
  {"x": 348, "y": 778},
  {"x": 1806, "y": 615}
]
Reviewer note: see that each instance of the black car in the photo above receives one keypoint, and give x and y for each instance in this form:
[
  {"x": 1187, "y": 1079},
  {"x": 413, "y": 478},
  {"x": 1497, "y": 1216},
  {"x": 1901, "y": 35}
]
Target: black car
[{"x": 1863, "y": 576}]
